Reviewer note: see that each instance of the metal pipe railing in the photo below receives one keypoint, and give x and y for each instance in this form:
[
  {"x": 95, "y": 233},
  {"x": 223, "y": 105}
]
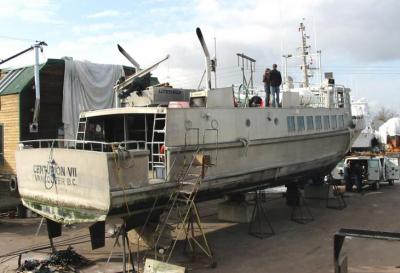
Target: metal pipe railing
[{"x": 81, "y": 144}]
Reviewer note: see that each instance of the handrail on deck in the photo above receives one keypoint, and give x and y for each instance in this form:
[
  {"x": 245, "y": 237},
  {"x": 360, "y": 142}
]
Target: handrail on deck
[{"x": 82, "y": 144}]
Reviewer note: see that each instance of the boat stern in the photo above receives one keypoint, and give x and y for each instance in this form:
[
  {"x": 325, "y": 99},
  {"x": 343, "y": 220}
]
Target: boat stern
[{"x": 64, "y": 185}]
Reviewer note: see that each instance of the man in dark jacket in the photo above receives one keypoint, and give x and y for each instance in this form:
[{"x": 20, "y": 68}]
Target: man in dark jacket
[{"x": 275, "y": 80}]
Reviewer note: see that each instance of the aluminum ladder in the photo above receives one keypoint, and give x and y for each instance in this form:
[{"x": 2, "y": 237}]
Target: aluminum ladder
[
  {"x": 81, "y": 133},
  {"x": 157, "y": 161},
  {"x": 181, "y": 215}
]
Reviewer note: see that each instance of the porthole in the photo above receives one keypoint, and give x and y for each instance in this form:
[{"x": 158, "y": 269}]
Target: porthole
[
  {"x": 214, "y": 124},
  {"x": 248, "y": 122},
  {"x": 188, "y": 124}
]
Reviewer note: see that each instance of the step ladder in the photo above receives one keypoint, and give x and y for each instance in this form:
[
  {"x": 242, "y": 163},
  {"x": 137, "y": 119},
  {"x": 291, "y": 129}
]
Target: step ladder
[
  {"x": 181, "y": 215},
  {"x": 157, "y": 161},
  {"x": 81, "y": 133}
]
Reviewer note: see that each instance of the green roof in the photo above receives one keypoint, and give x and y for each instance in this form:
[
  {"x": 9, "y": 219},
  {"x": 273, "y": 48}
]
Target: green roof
[{"x": 22, "y": 77}]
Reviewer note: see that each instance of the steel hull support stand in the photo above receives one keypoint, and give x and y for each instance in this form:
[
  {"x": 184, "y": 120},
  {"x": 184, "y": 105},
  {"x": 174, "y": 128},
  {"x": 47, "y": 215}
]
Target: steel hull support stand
[
  {"x": 126, "y": 250},
  {"x": 260, "y": 226},
  {"x": 338, "y": 196},
  {"x": 54, "y": 230},
  {"x": 300, "y": 214}
]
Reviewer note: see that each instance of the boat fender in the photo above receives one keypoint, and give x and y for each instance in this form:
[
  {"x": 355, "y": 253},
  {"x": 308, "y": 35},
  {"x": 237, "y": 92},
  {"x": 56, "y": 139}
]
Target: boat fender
[
  {"x": 162, "y": 151},
  {"x": 13, "y": 184},
  {"x": 245, "y": 142}
]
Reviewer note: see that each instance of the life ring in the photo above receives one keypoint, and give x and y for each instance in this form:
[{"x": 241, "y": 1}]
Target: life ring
[{"x": 13, "y": 184}]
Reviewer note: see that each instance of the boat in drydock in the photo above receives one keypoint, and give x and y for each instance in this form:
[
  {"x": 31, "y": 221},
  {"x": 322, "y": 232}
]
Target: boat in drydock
[{"x": 132, "y": 154}]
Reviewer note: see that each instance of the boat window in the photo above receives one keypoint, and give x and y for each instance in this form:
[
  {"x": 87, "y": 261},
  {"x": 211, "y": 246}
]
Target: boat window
[
  {"x": 310, "y": 123},
  {"x": 95, "y": 130},
  {"x": 341, "y": 121},
  {"x": 291, "y": 124},
  {"x": 318, "y": 123},
  {"x": 334, "y": 122},
  {"x": 300, "y": 123},
  {"x": 327, "y": 124}
]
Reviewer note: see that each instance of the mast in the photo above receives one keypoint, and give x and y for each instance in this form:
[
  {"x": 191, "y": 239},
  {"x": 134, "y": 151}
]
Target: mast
[{"x": 304, "y": 53}]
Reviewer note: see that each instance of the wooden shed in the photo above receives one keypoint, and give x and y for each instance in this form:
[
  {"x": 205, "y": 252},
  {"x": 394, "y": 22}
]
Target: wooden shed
[{"x": 17, "y": 102}]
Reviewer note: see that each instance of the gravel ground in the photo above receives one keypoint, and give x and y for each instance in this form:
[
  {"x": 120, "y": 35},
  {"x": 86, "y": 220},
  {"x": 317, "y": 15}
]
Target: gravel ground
[{"x": 294, "y": 247}]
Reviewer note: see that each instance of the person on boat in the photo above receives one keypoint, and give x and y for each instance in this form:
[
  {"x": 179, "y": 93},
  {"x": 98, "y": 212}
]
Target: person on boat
[
  {"x": 267, "y": 86},
  {"x": 255, "y": 101},
  {"x": 275, "y": 80}
]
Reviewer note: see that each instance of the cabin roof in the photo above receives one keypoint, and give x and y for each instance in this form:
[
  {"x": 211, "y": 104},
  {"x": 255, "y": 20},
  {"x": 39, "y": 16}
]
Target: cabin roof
[{"x": 124, "y": 110}]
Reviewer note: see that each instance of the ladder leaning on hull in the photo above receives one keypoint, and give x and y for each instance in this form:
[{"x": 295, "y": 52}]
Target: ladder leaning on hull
[{"x": 182, "y": 213}]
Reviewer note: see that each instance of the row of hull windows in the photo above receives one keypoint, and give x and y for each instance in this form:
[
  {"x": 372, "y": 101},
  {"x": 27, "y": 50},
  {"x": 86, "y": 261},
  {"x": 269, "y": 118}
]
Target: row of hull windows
[{"x": 310, "y": 123}]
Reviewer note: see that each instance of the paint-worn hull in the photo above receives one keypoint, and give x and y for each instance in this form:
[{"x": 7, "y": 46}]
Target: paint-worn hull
[{"x": 88, "y": 186}]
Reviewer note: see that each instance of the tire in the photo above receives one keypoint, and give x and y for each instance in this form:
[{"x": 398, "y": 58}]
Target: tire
[{"x": 13, "y": 184}]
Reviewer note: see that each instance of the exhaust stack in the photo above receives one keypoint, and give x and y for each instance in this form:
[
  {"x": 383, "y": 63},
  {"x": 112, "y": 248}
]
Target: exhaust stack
[
  {"x": 207, "y": 58},
  {"x": 129, "y": 57}
]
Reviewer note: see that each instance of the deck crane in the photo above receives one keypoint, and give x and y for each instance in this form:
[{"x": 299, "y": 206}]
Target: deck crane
[{"x": 33, "y": 127}]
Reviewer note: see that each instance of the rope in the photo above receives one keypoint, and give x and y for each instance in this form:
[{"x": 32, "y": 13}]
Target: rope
[{"x": 117, "y": 152}]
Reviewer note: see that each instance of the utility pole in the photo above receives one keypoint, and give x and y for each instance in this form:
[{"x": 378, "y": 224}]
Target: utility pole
[
  {"x": 320, "y": 66},
  {"x": 285, "y": 83}
]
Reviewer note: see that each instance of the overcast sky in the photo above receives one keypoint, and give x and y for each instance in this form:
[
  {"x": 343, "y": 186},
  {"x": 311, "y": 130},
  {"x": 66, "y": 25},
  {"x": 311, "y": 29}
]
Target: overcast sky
[{"x": 359, "y": 38}]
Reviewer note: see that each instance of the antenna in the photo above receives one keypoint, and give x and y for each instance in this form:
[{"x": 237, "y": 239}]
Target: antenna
[
  {"x": 214, "y": 62},
  {"x": 304, "y": 53}
]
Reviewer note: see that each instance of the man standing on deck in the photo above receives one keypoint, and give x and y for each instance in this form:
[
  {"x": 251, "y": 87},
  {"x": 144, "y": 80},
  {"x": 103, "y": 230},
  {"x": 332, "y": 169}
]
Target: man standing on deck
[
  {"x": 275, "y": 80},
  {"x": 267, "y": 87}
]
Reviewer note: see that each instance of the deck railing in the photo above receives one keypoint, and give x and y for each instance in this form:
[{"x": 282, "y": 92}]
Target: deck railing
[{"x": 82, "y": 144}]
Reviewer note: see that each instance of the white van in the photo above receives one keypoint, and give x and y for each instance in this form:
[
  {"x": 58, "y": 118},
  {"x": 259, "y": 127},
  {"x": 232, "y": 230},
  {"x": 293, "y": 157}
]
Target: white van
[{"x": 371, "y": 169}]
